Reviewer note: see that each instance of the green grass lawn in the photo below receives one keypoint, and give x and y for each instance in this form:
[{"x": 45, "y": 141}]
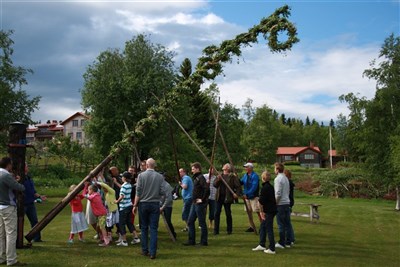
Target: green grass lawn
[{"x": 351, "y": 232}]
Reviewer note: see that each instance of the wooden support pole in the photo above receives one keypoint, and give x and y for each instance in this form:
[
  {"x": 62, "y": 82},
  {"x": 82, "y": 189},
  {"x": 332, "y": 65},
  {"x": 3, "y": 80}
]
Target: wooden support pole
[
  {"x": 61, "y": 205},
  {"x": 17, "y": 152}
]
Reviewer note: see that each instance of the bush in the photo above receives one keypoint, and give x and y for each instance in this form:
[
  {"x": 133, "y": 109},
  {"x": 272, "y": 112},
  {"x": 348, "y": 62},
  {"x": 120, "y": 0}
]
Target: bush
[
  {"x": 55, "y": 176},
  {"x": 292, "y": 163}
]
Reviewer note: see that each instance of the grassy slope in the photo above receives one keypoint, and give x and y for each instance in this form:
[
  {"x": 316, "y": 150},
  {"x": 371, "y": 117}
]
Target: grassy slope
[{"x": 351, "y": 232}]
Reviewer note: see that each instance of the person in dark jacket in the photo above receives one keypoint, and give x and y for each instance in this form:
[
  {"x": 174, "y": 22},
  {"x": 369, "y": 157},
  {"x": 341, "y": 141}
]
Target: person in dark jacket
[
  {"x": 30, "y": 197},
  {"x": 291, "y": 197},
  {"x": 224, "y": 198},
  {"x": 198, "y": 208},
  {"x": 268, "y": 211}
]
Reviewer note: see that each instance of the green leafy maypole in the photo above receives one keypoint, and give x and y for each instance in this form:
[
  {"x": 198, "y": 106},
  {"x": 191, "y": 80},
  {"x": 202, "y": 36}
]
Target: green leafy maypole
[{"x": 210, "y": 64}]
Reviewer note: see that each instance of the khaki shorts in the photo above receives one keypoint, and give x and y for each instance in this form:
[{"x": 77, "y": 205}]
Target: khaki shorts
[{"x": 253, "y": 205}]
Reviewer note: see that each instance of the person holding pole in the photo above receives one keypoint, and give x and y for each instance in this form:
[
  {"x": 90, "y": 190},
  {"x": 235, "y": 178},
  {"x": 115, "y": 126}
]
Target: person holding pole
[
  {"x": 187, "y": 188},
  {"x": 224, "y": 198},
  {"x": 200, "y": 196},
  {"x": 250, "y": 182},
  {"x": 8, "y": 214},
  {"x": 30, "y": 197}
]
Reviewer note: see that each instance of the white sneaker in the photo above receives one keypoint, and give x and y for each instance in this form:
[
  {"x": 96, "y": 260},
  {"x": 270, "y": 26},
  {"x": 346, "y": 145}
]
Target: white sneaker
[
  {"x": 258, "y": 248},
  {"x": 268, "y": 251},
  {"x": 96, "y": 236},
  {"x": 277, "y": 245},
  {"x": 119, "y": 240},
  {"x": 122, "y": 244},
  {"x": 136, "y": 240}
]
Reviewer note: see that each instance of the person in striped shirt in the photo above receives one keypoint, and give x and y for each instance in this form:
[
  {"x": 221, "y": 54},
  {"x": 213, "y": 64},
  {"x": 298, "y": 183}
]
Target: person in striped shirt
[{"x": 125, "y": 210}]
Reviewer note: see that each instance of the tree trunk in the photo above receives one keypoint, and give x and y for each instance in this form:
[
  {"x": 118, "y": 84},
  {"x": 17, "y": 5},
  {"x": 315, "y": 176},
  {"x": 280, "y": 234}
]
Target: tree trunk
[{"x": 398, "y": 198}]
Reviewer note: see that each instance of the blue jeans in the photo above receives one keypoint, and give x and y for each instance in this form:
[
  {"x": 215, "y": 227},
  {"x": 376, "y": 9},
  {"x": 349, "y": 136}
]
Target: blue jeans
[
  {"x": 211, "y": 211},
  {"x": 187, "y": 204},
  {"x": 228, "y": 214},
  {"x": 283, "y": 219},
  {"x": 267, "y": 227},
  {"x": 149, "y": 213},
  {"x": 198, "y": 211},
  {"x": 30, "y": 212},
  {"x": 291, "y": 236}
]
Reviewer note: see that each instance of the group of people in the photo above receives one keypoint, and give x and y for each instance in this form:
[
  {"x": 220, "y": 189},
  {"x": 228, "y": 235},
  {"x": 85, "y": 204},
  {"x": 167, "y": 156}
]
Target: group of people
[
  {"x": 208, "y": 190},
  {"x": 115, "y": 202},
  {"x": 276, "y": 201}
]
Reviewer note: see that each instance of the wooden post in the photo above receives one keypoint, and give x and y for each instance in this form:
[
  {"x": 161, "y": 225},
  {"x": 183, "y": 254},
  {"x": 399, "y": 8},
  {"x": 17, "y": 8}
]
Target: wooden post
[
  {"x": 17, "y": 152},
  {"x": 63, "y": 203}
]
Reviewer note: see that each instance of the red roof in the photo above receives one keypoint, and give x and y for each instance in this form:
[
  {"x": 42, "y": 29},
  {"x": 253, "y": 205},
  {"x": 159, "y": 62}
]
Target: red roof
[
  {"x": 332, "y": 153},
  {"x": 295, "y": 150},
  {"x": 31, "y": 130},
  {"x": 73, "y": 116}
]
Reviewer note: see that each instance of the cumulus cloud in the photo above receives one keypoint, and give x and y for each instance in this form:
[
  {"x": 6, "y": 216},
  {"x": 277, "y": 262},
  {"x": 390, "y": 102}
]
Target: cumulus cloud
[
  {"x": 302, "y": 82},
  {"x": 59, "y": 40}
]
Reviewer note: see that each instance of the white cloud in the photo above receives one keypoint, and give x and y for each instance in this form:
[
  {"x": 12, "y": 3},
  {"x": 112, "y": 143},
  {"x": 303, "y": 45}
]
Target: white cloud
[{"x": 304, "y": 82}]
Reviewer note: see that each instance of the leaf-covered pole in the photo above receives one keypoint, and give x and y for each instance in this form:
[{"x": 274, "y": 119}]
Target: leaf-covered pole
[
  {"x": 209, "y": 67},
  {"x": 117, "y": 148}
]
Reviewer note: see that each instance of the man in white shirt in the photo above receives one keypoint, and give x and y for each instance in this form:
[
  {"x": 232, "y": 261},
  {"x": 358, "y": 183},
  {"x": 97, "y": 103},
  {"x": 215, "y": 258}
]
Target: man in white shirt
[{"x": 8, "y": 214}]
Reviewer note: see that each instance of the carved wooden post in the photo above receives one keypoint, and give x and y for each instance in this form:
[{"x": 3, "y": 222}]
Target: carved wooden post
[{"x": 17, "y": 151}]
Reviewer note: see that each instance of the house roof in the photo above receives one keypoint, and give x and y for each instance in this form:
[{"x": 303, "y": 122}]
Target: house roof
[
  {"x": 332, "y": 153},
  {"x": 75, "y": 115},
  {"x": 31, "y": 129},
  {"x": 296, "y": 150},
  {"x": 58, "y": 127}
]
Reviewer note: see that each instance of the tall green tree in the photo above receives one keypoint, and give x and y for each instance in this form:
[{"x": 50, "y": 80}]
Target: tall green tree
[
  {"x": 15, "y": 103},
  {"x": 120, "y": 86},
  {"x": 262, "y": 135},
  {"x": 373, "y": 125}
]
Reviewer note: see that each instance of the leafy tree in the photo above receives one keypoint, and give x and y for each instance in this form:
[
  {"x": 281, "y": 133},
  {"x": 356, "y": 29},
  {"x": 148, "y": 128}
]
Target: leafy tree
[
  {"x": 120, "y": 87},
  {"x": 373, "y": 126},
  {"x": 15, "y": 103},
  {"x": 248, "y": 109},
  {"x": 67, "y": 150},
  {"x": 232, "y": 126},
  {"x": 262, "y": 136}
]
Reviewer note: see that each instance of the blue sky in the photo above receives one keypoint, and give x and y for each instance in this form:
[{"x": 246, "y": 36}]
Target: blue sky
[{"x": 338, "y": 40}]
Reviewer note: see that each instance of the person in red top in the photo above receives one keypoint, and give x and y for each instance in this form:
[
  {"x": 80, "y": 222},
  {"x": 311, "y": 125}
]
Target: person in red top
[
  {"x": 99, "y": 211},
  {"x": 78, "y": 221}
]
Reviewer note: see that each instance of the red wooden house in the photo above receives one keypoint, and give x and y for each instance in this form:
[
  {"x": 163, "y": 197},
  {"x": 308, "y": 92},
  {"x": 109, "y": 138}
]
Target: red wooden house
[{"x": 307, "y": 156}]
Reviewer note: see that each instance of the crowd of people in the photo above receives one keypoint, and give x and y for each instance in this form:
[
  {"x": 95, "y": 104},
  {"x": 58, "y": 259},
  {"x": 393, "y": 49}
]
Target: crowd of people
[{"x": 115, "y": 201}]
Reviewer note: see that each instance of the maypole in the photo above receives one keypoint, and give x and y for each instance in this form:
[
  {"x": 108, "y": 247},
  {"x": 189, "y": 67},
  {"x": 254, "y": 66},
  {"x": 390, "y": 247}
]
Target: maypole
[{"x": 208, "y": 67}]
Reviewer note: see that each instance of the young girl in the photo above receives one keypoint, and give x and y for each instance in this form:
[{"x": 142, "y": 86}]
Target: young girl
[
  {"x": 78, "y": 222},
  {"x": 99, "y": 211},
  {"x": 112, "y": 208}
]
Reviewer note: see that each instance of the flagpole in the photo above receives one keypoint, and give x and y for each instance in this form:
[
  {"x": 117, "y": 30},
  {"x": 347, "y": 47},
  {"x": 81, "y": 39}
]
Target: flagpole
[{"x": 330, "y": 145}]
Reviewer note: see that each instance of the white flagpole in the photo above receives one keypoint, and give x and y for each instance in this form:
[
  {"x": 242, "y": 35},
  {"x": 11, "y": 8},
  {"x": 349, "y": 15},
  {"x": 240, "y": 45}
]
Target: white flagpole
[{"x": 330, "y": 145}]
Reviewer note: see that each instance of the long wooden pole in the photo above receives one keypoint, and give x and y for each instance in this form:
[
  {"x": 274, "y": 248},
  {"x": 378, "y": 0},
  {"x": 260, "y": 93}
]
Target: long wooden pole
[
  {"x": 248, "y": 211},
  {"x": 214, "y": 142},
  {"x": 17, "y": 151},
  {"x": 202, "y": 153},
  {"x": 64, "y": 202},
  {"x": 171, "y": 133}
]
